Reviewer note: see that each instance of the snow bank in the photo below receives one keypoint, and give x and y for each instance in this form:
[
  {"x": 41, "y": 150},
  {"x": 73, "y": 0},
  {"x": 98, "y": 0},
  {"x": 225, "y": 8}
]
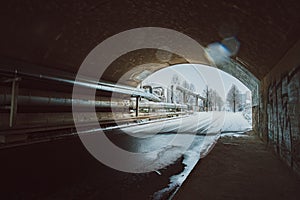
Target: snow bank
[{"x": 235, "y": 122}]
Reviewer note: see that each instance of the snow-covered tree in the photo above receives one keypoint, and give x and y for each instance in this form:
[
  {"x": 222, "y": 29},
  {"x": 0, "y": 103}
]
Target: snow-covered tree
[
  {"x": 175, "y": 80},
  {"x": 192, "y": 87},
  {"x": 233, "y": 97},
  {"x": 213, "y": 101},
  {"x": 216, "y": 101},
  {"x": 206, "y": 95}
]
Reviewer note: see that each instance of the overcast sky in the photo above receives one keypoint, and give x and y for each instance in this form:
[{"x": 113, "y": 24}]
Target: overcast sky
[{"x": 200, "y": 76}]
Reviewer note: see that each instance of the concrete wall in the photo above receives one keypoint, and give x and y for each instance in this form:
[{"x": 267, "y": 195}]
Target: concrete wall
[
  {"x": 245, "y": 76},
  {"x": 251, "y": 82},
  {"x": 280, "y": 106}
]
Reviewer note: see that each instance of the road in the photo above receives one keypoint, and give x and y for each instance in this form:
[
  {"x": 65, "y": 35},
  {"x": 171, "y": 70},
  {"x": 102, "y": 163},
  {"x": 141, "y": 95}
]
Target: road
[{"x": 64, "y": 169}]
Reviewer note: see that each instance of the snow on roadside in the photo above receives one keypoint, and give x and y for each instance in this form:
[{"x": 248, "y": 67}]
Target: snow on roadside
[
  {"x": 235, "y": 122},
  {"x": 219, "y": 121}
]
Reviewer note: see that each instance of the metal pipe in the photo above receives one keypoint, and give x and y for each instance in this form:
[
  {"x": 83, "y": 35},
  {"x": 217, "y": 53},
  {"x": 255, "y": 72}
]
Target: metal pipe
[
  {"x": 187, "y": 91},
  {"x": 5, "y": 100},
  {"x": 89, "y": 84},
  {"x": 52, "y": 101}
]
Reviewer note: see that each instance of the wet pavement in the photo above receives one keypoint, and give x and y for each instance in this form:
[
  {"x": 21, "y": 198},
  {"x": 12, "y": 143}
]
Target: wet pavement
[{"x": 240, "y": 168}]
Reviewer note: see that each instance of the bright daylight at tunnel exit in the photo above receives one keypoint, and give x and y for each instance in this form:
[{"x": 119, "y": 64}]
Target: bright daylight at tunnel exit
[
  {"x": 167, "y": 100},
  {"x": 189, "y": 105}
]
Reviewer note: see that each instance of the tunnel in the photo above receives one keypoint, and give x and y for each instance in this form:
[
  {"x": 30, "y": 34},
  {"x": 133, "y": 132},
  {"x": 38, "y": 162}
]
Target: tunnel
[{"x": 45, "y": 45}]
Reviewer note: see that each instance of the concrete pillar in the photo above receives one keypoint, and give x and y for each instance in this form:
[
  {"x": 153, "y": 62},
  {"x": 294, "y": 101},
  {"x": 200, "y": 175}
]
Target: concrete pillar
[
  {"x": 172, "y": 94},
  {"x": 14, "y": 102},
  {"x": 184, "y": 97},
  {"x": 137, "y": 99},
  {"x": 197, "y": 100}
]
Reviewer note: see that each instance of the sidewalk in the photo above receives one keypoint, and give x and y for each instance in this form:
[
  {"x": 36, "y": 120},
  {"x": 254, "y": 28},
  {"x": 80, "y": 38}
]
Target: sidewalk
[{"x": 240, "y": 168}]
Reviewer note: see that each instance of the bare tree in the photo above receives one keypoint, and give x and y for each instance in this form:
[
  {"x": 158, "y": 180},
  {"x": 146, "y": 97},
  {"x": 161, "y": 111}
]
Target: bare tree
[
  {"x": 216, "y": 101},
  {"x": 219, "y": 102},
  {"x": 191, "y": 98},
  {"x": 192, "y": 87},
  {"x": 213, "y": 101},
  {"x": 176, "y": 95},
  {"x": 211, "y": 98},
  {"x": 233, "y": 97},
  {"x": 175, "y": 79},
  {"x": 207, "y": 96},
  {"x": 185, "y": 84}
]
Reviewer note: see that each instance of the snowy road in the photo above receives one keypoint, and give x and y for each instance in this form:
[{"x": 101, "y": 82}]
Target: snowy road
[
  {"x": 191, "y": 137},
  {"x": 201, "y": 123},
  {"x": 154, "y": 145},
  {"x": 163, "y": 142}
]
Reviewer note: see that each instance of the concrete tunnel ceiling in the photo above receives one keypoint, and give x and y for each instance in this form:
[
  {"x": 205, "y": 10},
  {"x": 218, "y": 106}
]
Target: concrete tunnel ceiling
[
  {"x": 133, "y": 67},
  {"x": 60, "y": 34}
]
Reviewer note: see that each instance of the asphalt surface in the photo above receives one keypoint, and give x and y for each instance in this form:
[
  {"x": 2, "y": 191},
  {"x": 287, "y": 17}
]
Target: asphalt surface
[{"x": 241, "y": 168}]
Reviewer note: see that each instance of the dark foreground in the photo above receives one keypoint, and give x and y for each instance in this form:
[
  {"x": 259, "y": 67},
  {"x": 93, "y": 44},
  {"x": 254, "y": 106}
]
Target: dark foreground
[
  {"x": 237, "y": 168},
  {"x": 63, "y": 169},
  {"x": 240, "y": 169}
]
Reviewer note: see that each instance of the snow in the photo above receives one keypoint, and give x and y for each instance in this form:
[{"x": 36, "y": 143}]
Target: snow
[
  {"x": 192, "y": 137},
  {"x": 235, "y": 122},
  {"x": 168, "y": 140},
  {"x": 201, "y": 122},
  {"x": 163, "y": 142},
  {"x": 235, "y": 134}
]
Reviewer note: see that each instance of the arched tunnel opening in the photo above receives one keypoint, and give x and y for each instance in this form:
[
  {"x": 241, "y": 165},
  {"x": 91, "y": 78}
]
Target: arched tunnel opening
[
  {"x": 187, "y": 84},
  {"x": 132, "y": 100}
]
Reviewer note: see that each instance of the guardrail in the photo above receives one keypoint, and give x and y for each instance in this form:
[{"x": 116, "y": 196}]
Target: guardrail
[{"x": 21, "y": 136}]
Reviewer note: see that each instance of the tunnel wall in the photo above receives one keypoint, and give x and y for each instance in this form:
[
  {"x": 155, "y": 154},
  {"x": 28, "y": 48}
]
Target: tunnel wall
[
  {"x": 279, "y": 108},
  {"x": 250, "y": 81},
  {"x": 245, "y": 76}
]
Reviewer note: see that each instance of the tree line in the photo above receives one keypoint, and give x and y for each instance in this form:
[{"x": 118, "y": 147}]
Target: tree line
[{"x": 213, "y": 101}]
